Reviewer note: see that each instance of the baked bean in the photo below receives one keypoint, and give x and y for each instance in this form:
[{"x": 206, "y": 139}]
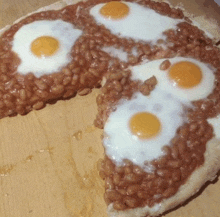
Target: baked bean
[
  {"x": 186, "y": 158},
  {"x": 149, "y": 176},
  {"x": 8, "y": 103},
  {"x": 146, "y": 185},
  {"x": 20, "y": 109},
  {"x": 132, "y": 60},
  {"x": 176, "y": 175},
  {"x": 128, "y": 170},
  {"x": 57, "y": 78},
  {"x": 184, "y": 132},
  {"x": 109, "y": 183},
  {"x": 173, "y": 163},
  {"x": 123, "y": 183},
  {"x": 165, "y": 65},
  {"x": 146, "y": 49},
  {"x": 84, "y": 91},
  {"x": 57, "y": 90},
  {"x": 143, "y": 195},
  {"x": 166, "y": 149},
  {"x": 10, "y": 112},
  {"x": 20, "y": 102},
  {"x": 23, "y": 94},
  {"x": 163, "y": 172},
  {"x": 76, "y": 70},
  {"x": 118, "y": 205},
  {"x": 2, "y": 87},
  {"x": 67, "y": 71},
  {"x": 115, "y": 76},
  {"x": 132, "y": 178},
  {"x": 161, "y": 162},
  {"x": 130, "y": 201},
  {"x": 109, "y": 167},
  {"x": 116, "y": 178},
  {"x": 123, "y": 81},
  {"x": 137, "y": 170},
  {"x": 10, "y": 84},
  {"x": 144, "y": 89},
  {"x": 175, "y": 152},
  {"x": 82, "y": 79},
  {"x": 122, "y": 191},
  {"x": 74, "y": 79},
  {"x": 113, "y": 195},
  {"x": 4, "y": 78},
  {"x": 33, "y": 99},
  {"x": 94, "y": 72},
  {"x": 118, "y": 87},
  {"x": 38, "y": 105},
  {"x": 2, "y": 104},
  {"x": 184, "y": 171},
  {"x": 40, "y": 84},
  {"x": 42, "y": 94},
  {"x": 119, "y": 169},
  {"x": 170, "y": 191},
  {"x": 94, "y": 54},
  {"x": 182, "y": 147},
  {"x": 47, "y": 80},
  {"x": 77, "y": 49},
  {"x": 132, "y": 189},
  {"x": 3, "y": 68},
  {"x": 67, "y": 80}
]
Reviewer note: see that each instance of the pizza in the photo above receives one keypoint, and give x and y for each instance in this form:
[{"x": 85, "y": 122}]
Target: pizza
[{"x": 158, "y": 106}]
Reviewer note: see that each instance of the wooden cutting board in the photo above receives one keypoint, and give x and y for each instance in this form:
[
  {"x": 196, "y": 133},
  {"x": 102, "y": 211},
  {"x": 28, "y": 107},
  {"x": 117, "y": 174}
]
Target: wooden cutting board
[{"x": 48, "y": 158}]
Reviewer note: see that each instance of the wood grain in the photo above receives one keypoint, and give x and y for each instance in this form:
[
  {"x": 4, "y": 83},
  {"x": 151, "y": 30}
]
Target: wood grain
[{"x": 48, "y": 158}]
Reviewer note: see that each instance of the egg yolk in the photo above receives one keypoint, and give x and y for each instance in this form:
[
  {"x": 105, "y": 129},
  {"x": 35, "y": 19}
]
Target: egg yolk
[
  {"x": 44, "y": 46},
  {"x": 145, "y": 125},
  {"x": 114, "y": 10},
  {"x": 185, "y": 74}
]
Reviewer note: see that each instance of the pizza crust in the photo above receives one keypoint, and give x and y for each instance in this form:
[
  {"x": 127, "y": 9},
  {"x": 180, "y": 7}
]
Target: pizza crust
[{"x": 199, "y": 177}]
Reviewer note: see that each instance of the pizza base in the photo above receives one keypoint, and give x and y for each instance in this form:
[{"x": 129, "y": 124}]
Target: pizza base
[{"x": 207, "y": 172}]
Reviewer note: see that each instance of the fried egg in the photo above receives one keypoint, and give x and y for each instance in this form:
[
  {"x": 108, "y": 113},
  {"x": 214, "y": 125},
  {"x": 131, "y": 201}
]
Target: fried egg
[
  {"x": 44, "y": 46},
  {"x": 186, "y": 78},
  {"x": 127, "y": 19},
  {"x": 140, "y": 127}
]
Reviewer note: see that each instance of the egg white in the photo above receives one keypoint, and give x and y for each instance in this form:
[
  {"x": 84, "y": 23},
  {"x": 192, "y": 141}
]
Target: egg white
[
  {"x": 63, "y": 31},
  {"x": 215, "y": 122},
  {"x": 142, "y": 23},
  {"x": 121, "y": 144},
  {"x": 146, "y": 70}
]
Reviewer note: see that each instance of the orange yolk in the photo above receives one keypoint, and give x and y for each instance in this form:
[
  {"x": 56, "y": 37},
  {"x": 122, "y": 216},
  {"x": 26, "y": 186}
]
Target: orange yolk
[
  {"x": 44, "y": 46},
  {"x": 145, "y": 125},
  {"x": 114, "y": 10},
  {"x": 185, "y": 74}
]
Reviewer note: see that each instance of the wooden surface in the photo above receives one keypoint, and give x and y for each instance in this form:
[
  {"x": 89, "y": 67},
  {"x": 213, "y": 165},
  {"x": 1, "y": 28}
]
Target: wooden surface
[{"x": 48, "y": 158}]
